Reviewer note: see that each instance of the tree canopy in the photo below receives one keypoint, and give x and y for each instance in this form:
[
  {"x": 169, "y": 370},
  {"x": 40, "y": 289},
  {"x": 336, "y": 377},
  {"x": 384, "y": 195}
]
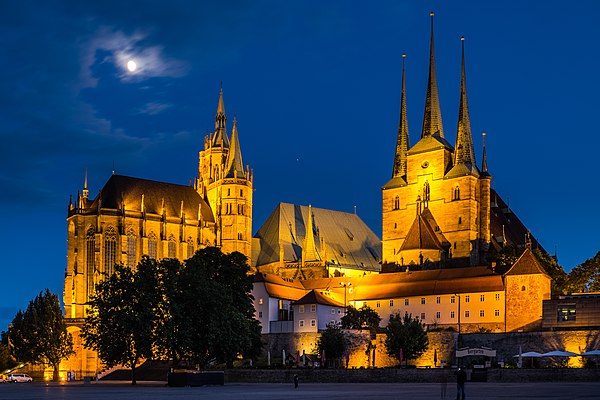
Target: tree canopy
[
  {"x": 334, "y": 342},
  {"x": 405, "y": 337},
  {"x": 363, "y": 318},
  {"x": 585, "y": 277},
  {"x": 556, "y": 272},
  {"x": 39, "y": 335}
]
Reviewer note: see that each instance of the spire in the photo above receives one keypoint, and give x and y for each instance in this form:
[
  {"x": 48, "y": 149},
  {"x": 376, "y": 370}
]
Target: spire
[
  {"x": 402, "y": 142},
  {"x": 234, "y": 167},
  {"x": 309, "y": 252},
  {"x": 220, "y": 136},
  {"x": 484, "y": 167},
  {"x": 432, "y": 121},
  {"x": 86, "y": 192},
  {"x": 463, "y": 151}
]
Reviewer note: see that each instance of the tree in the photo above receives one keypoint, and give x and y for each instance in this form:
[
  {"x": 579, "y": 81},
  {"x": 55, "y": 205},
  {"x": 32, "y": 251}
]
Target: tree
[
  {"x": 363, "y": 318},
  {"x": 121, "y": 320},
  {"x": 406, "y": 336},
  {"x": 39, "y": 335},
  {"x": 505, "y": 257},
  {"x": 556, "y": 272},
  {"x": 333, "y": 341},
  {"x": 6, "y": 360},
  {"x": 585, "y": 277}
]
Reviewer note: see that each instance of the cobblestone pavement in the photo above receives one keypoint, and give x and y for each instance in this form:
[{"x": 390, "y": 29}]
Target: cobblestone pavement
[{"x": 312, "y": 391}]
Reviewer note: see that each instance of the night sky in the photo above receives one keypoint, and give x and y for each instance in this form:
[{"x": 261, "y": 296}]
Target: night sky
[{"x": 315, "y": 86}]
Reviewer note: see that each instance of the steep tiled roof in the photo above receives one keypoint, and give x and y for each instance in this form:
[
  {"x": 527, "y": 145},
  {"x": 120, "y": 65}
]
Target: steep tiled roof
[
  {"x": 526, "y": 264},
  {"x": 424, "y": 235},
  {"x": 316, "y": 297}
]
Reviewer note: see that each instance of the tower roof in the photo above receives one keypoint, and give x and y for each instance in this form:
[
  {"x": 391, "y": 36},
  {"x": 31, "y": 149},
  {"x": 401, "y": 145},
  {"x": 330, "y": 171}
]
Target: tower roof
[
  {"x": 432, "y": 120},
  {"x": 234, "y": 166},
  {"x": 402, "y": 142},
  {"x": 220, "y": 137}
]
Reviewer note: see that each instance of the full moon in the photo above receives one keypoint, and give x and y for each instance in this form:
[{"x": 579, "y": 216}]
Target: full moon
[{"x": 131, "y": 65}]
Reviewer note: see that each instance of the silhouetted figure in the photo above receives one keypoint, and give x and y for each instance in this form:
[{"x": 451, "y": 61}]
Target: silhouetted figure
[
  {"x": 461, "y": 377},
  {"x": 296, "y": 380}
]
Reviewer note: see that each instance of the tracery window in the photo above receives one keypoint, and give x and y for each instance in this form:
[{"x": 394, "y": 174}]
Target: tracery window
[
  {"x": 426, "y": 191},
  {"x": 190, "y": 247},
  {"x": 172, "y": 247},
  {"x": 110, "y": 250},
  {"x": 152, "y": 245},
  {"x": 90, "y": 259},
  {"x": 397, "y": 203},
  {"x": 456, "y": 193},
  {"x": 131, "y": 248}
]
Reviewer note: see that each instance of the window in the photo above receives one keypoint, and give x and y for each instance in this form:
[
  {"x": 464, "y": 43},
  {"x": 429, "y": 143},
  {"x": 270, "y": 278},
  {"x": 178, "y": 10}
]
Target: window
[
  {"x": 467, "y": 298},
  {"x": 152, "y": 245},
  {"x": 110, "y": 250},
  {"x": 497, "y": 313},
  {"x": 391, "y": 303},
  {"x": 467, "y": 314},
  {"x": 301, "y": 323},
  {"x": 459, "y": 220},
  {"x": 190, "y": 247},
  {"x": 566, "y": 313},
  {"x": 241, "y": 192},
  {"x": 313, "y": 322},
  {"x": 313, "y": 307},
  {"x": 426, "y": 191},
  {"x": 406, "y": 302},
  {"x": 301, "y": 309},
  {"x": 482, "y": 313},
  {"x": 131, "y": 248},
  {"x": 171, "y": 247},
  {"x": 497, "y": 296},
  {"x": 422, "y": 300},
  {"x": 228, "y": 192},
  {"x": 422, "y": 316},
  {"x": 482, "y": 297},
  {"x": 333, "y": 310},
  {"x": 452, "y": 300},
  {"x": 438, "y": 300},
  {"x": 452, "y": 314},
  {"x": 523, "y": 288},
  {"x": 378, "y": 304},
  {"x": 239, "y": 235},
  {"x": 260, "y": 314},
  {"x": 260, "y": 301},
  {"x": 456, "y": 193},
  {"x": 397, "y": 203},
  {"x": 438, "y": 315},
  {"x": 90, "y": 259},
  {"x": 339, "y": 312}
]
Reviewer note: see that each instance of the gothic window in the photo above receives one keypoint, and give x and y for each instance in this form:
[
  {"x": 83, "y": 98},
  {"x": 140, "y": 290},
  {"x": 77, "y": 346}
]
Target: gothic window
[
  {"x": 426, "y": 191},
  {"x": 190, "y": 247},
  {"x": 172, "y": 246},
  {"x": 456, "y": 193},
  {"x": 152, "y": 245},
  {"x": 240, "y": 236},
  {"x": 228, "y": 192},
  {"x": 397, "y": 203},
  {"x": 131, "y": 248},
  {"x": 241, "y": 193},
  {"x": 459, "y": 220},
  {"x": 90, "y": 259},
  {"x": 110, "y": 250}
]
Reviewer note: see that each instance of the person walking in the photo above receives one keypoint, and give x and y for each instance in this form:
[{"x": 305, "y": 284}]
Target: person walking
[
  {"x": 461, "y": 377},
  {"x": 296, "y": 380}
]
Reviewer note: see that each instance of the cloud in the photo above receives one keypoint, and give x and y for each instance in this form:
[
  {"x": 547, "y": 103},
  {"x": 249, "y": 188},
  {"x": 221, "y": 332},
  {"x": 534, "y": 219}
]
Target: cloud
[{"x": 153, "y": 108}]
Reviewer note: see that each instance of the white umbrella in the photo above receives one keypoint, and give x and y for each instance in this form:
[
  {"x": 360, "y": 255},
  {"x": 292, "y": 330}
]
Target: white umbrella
[
  {"x": 591, "y": 353},
  {"x": 529, "y": 354},
  {"x": 559, "y": 353}
]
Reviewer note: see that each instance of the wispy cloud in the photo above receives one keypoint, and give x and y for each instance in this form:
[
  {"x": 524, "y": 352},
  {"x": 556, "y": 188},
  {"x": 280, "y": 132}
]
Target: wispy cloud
[{"x": 153, "y": 108}]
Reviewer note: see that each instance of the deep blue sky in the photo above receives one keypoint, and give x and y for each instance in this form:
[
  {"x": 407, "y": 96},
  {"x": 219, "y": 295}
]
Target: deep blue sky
[{"x": 315, "y": 86}]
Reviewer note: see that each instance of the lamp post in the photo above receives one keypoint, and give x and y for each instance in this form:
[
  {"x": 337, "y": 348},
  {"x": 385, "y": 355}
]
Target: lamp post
[
  {"x": 458, "y": 296},
  {"x": 345, "y": 285}
]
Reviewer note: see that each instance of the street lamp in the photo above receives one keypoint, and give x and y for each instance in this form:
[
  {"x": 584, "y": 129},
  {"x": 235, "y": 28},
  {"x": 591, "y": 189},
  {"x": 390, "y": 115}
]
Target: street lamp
[
  {"x": 345, "y": 285},
  {"x": 458, "y": 296}
]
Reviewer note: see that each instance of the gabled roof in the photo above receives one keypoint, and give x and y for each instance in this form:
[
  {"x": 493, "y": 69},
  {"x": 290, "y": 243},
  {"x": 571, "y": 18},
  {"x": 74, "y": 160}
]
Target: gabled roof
[
  {"x": 316, "y": 297},
  {"x": 348, "y": 241},
  {"x": 463, "y": 169},
  {"x": 429, "y": 143},
  {"x": 424, "y": 234},
  {"x": 526, "y": 264},
  {"x": 397, "y": 181},
  {"x": 127, "y": 191}
]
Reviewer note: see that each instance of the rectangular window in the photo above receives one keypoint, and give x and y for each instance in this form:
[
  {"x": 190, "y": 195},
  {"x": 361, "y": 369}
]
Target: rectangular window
[
  {"x": 482, "y": 313},
  {"x": 482, "y": 297},
  {"x": 422, "y": 316},
  {"x": 438, "y": 315},
  {"x": 467, "y": 314},
  {"x": 339, "y": 312},
  {"x": 301, "y": 323},
  {"x": 313, "y": 308},
  {"x": 301, "y": 309},
  {"x": 497, "y": 296},
  {"x": 260, "y": 314},
  {"x": 260, "y": 301},
  {"x": 452, "y": 314},
  {"x": 313, "y": 322},
  {"x": 378, "y": 304},
  {"x": 566, "y": 313},
  {"x": 406, "y": 302},
  {"x": 497, "y": 313},
  {"x": 438, "y": 300},
  {"x": 391, "y": 303},
  {"x": 422, "y": 300},
  {"x": 452, "y": 300},
  {"x": 467, "y": 299},
  {"x": 333, "y": 310}
]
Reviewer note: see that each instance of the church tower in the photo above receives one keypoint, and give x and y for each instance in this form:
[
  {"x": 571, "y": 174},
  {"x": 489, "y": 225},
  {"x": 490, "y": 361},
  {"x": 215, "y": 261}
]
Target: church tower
[
  {"x": 436, "y": 207},
  {"x": 226, "y": 185}
]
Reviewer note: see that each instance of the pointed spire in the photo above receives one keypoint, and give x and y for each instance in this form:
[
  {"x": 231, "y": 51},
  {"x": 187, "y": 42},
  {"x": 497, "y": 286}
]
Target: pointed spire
[
  {"x": 70, "y": 202},
  {"x": 402, "y": 143},
  {"x": 484, "y": 167},
  {"x": 234, "y": 167},
  {"x": 309, "y": 252},
  {"x": 86, "y": 192},
  {"x": 432, "y": 121},
  {"x": 464, "y": 152},
  {"x": 220, "y": 136}
]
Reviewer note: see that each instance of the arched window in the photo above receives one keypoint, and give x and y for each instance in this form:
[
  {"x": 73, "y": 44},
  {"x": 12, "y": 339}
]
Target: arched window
[
  {"x": 456, "y": 193},
  {"x": 90, "y": 258},
  {"x": 110, "y": 250},
  {"x": 426, "y": 191},
  {"x": 131, "y": 247},
  {"x": 240, "y": 236},
  {"x": 172, "y": 247},
  {"x": 152, "y": 245},
  {"x": 190, "y": 247},
  {"x": 397, "y": 203}
]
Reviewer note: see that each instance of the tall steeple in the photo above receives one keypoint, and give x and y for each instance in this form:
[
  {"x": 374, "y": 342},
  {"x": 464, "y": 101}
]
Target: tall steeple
[
  {"x": 432, "y": 121},
  {"x": 234, "y": 167},
  {"x": 400, "y": 164},
  {"x": 484, "y": 167},
  {"x": 309, "y": 251},
  {"x": 463, "y": 151},
  {"x": 85, "y": 192},
  {"x": 220, "y": 137}
]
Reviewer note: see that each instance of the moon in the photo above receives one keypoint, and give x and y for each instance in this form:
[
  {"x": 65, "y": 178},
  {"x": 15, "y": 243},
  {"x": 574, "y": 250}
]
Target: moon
[{"x": 131, "y": 66}]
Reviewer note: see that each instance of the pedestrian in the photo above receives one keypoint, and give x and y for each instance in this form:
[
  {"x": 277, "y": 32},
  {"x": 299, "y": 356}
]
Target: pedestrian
[
  {"x": 444, "y": 382},
  {"x": 296, "y": 379},
  {"x": 461, "y": 377}
]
